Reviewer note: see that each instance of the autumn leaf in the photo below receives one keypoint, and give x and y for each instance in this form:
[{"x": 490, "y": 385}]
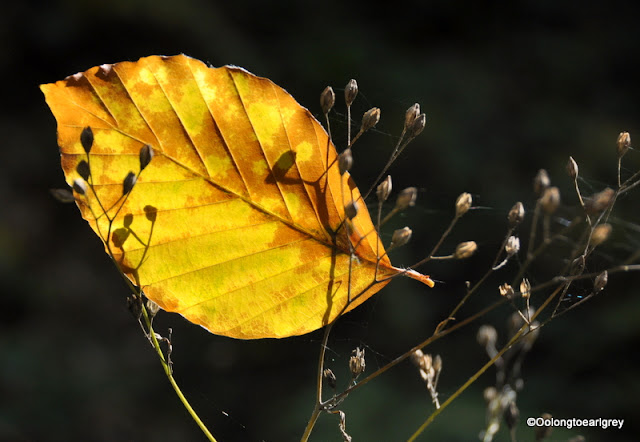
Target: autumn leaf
[{"x": 218, "y": 195}]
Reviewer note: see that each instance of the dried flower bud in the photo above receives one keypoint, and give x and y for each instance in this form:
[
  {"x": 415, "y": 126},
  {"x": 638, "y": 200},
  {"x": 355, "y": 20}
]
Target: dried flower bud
[
  {"x": 600, "y": 234},
  {"x": 437, "y": 363},
  {"x": 487, "y": 335},
  {"x": 152, "y": 307},
  {"x": 465, "y": 250},
  {"x": 80, "y": 186},
  {"x": 577, "y": 266},
  {"x": 62, "y": 195},
  {"x": 489, "y": 394},
  {"x": 128, "y": 183},
  {"x": 406, "y": 198},
  {"x": 624, "y": 143},
  {"x": 357, "y": 363},
  {"x": 463, "y": 204},
  {"x": 400, "y": 237},
  {"x": 146, "y": 155},
  {"x": 86, "y": 139},
  {"x": 83, "y": 170},
  {"x": 134, "y": 304},
  {"x": 541, "y": 182},
  {"x": 327, "y": 99},
  {"x": 601, "y": 281},
  {"x": 345, "y": 161},
  {"x": 572, "y": 168},
  {"x": 330, "y": 377},
  {"x": 417, "y": 126},
  {"x": 351, "y": 210},
  {"x": 370, "y": 119},
  {"x": 599, "y": 202},
  {"x": 410, "y": 115},
  {"x": 512, "y": 246},
  {"x": 417, "y": 357},
  {"x": 516, "y": 214},
  {"x": 350, "y": 92},
  {"x": 506, "y": 290},
  {"x": 550, "y": 200},
  {"x": 384, "y": 189},
  {"x": 525, "y": 288}
]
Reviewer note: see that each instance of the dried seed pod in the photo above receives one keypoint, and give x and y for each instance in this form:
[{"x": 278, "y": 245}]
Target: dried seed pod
[
  {"x": 128, "y": 183},
  {"x": 330, "y": 377},
  {"x": 572, "y": 168},
  {"x": 327, "y": 99},
  {"x": 345, "y": 161},
  {"x": 410, "y": 115},
  {"x": 83, "y": 170},
  {"x": 370, "y": 119},
  {"x": 465, "y": 250},
  {"x": 384, "y": 189},
  {"x": 516, "y": 214},
  {"x": 86, "y": 139},
  {"x": 550, "y": 200},
  {"x": 601, "y": 281},
  {"x": 600, "y": 234},
  {"x": 525, "y": 288},
  {"x": 541, "y": 182},
  {"x": 350, "y": 92},
  {"x": 577, "y": 266},
  {"x": 62, "y": 195},
  {"x": 351, "y": 210},
  {"x": 406, "y": 198},
  {"x": 463, "y": 204},
  {"x": 512, "y": 246},
  {"x": 400, "y": 237},
  {"x": 623, "y": 143},
  {"x": 80, "y": 186},
  {"x": 599, "y": 202},
  {"x": 417, "y": 126},
  {"x": 506, "y": 290},
  {"x": 146, "y": 155},
  {"x": 152, "y": 307},
  {"x": 487, "y": 335},
  {"x": 357, "y": 362}
]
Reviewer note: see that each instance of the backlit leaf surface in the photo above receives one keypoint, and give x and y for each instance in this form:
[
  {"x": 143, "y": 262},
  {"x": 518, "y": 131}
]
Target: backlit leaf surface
[{"x": 238, "y": 222}]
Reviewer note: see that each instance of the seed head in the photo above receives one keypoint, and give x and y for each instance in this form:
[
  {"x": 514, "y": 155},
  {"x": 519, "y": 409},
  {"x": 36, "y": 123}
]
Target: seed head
[
  {"x": 550, "y": 200},
  {"x": 80, "y": 186},
  {"x": 330, "y": 377},
  {"x": 146, "y": 155},
  {"x": 357, "y": 362},
  {"x": 465, "y": 250},
  {"x": 345, "y": 161},
  {"x": 506, "y": 290},
  {"x": 572, "y": 168},
  {"x": 601, "y": 281},
  {"x": 410, "y": 115},
  {"x": 351, "y": 210},
  {"x": 599, "y": 202},
  {"x": 487, "y": 335},
  {"x": 350, "y": 92},
  {"x": 512, "y": 246},
  {"x": 406, "y": 198},
  {"x": 327, "y": 100},
  {"x": 370, "y": 119},
  {"x": 86, "y": 139},
  {"x": 541, "y": 182},
  {"x": 623, "y": 144},
  {"x": 525, "y": 288},
  {"x": 600, "y": 234},
  {"x": 516, "y": 214},
  {"x": 128, "y": 183},
  {"x": 400, "y": 237},
  {"x": 417, "y": 126},
  {"x": 384, "y": 189},
  {"x": 463, "y": 204}
]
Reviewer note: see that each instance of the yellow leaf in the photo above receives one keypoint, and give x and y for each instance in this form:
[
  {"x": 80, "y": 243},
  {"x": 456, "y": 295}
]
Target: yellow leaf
[{"x": 238, "y": 220}]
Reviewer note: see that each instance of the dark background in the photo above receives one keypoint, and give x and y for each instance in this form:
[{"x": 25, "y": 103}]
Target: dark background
[{"x": 507, "y": 90}]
